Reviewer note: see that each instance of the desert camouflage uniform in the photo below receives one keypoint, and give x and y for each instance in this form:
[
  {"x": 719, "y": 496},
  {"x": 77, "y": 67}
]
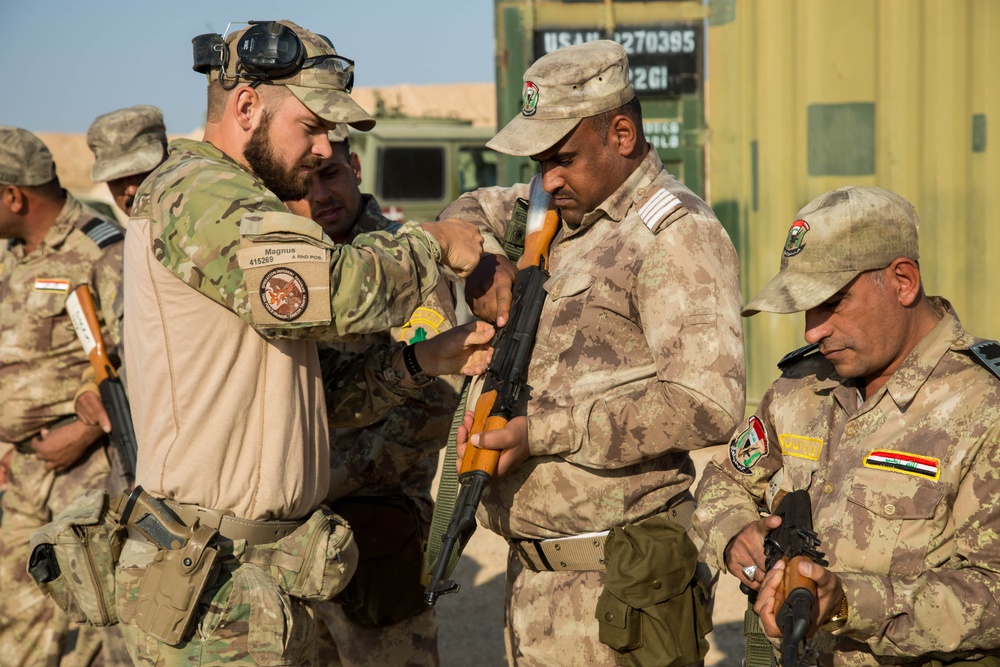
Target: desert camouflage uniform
[
  {"x": 904, "y": 494},
  {"x": 233, "y": 418},
  {"x": 638, "y": 360},
  {"x": 395, "y": 457},
  {"x": 41, "y": 361}
]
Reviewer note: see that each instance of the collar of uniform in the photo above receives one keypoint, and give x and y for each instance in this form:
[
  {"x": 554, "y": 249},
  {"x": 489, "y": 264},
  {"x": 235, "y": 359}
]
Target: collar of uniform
[
  {"x": 64, "y": 223},
  {"x": 370, "y": 219},
  {"x": 920, "y": 363},
  {"x": 206, "y": 150},
  {"x": 621, "y": 201}
]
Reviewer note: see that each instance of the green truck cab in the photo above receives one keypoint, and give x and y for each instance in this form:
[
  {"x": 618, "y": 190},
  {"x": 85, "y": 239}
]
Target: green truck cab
[{"x": 417, "y": 166}]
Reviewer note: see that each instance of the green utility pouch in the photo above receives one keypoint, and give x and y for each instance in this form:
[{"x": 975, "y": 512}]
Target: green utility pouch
[
  {"x": 653, "y": 610},
  {"x": 386, "y": 587},
  {"x": 73, "y": 559},
  {"x": 313, "y": 563},
  {"x": 172, "y": 585}
]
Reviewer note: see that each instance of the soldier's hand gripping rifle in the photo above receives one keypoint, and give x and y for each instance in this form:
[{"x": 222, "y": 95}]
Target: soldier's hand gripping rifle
[
  {"x": 80, "y": 306},
  {"x": 793, "y": 541},
  {"x": 506, "y": 378}
]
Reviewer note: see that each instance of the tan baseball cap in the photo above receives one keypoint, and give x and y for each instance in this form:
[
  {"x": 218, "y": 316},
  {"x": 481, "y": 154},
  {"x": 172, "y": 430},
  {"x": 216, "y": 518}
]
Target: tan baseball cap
[
  {"x": 561, "y": 89},
  {"x": 24, "y": 159},
  {"x": 834, "y": 238},
  {"x": 127, "y": 142},
  {"x": 322, "y": 84}
]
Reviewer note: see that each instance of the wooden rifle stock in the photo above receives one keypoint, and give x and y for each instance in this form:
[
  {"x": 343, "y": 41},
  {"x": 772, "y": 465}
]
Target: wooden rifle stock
[
  {"x": 506, "y": 378},
  {"x": 83, "y": 315}
]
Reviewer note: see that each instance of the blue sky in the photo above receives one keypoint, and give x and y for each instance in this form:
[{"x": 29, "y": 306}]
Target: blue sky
[{"x": 66, "y": 62}]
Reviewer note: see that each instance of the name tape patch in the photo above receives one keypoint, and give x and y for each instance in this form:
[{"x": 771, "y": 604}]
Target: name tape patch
[
  {"x": 279, "y": 253},
  {"x": 800, "y": 446}
]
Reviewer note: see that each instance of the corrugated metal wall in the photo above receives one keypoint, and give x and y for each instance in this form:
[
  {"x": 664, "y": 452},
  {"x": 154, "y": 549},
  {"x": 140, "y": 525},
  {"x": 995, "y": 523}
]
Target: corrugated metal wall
[{"x": 808, "y": 95}]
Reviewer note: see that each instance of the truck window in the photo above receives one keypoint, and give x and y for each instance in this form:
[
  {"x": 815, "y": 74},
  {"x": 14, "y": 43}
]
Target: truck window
[
  {"x": 477, "y": 168},
  {"x": 411, "y": 172}
]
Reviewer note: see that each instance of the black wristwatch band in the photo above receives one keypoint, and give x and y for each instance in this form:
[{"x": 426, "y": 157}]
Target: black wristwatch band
[{"x": 413, "y": 366}]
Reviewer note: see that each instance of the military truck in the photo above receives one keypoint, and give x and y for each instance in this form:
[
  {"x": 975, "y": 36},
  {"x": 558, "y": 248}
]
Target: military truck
[{"x": 417, "y": 166}]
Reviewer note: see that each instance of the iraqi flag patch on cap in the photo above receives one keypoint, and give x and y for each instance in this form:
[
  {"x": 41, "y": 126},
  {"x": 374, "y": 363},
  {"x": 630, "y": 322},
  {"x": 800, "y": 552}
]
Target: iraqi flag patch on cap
[{"x": 908, "y": 464}]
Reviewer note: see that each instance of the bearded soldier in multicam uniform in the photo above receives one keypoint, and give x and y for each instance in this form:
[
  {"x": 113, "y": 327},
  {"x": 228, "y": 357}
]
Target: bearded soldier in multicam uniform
[
  {"x": 382, "y": 474},
  {"x": 231, "y": 424},
  {"x": 52, "y": 244},
  {"x": 638, "y": 360},
  {"x": 890, "y": 419}
]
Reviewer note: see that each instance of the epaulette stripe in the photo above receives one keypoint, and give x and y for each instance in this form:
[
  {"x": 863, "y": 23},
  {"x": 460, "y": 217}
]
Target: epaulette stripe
[
  {"x": 795, "y": 355},
  {"x": 102, "y": 233},
  {"x": 988, "y": 353},
  {"x": 659, "y": 206}
]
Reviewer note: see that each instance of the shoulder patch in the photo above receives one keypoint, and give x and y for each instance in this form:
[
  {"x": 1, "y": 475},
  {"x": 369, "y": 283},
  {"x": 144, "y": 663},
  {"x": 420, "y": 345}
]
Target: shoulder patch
[
  {"x": 659, "y": 206},
  {"x": 795, "y": 355},
  {"x": 749, "y": 446},
  {"x": 102, "y": 232},
  {"x": 987, "y": 353}
]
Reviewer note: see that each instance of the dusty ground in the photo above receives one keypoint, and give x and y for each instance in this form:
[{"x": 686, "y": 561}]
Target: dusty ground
[{"x": 471, "y": 620}]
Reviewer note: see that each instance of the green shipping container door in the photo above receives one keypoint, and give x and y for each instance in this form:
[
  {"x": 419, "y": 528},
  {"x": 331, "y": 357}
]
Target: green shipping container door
[
  {"x": 808, "y": 96},
  {"x": 667, "y": 53}
]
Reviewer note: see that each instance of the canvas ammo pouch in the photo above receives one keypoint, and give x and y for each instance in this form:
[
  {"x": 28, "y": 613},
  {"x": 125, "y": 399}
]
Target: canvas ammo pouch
[
  {"x": 73, "y": 559},
  {"x": 653, "y": 610},
  {"x": 315, "y": 561},
  {"x": 386, "y": 588}
]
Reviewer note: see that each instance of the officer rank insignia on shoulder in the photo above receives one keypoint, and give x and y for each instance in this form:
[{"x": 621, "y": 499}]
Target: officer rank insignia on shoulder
[
  {"x": 102, "y": 233},
  {"x": 795, "y": 355},
  {"x": 749, "y": 446},
  {"x": 658, "y": 207},
  {"x": 987, "y": 353}
]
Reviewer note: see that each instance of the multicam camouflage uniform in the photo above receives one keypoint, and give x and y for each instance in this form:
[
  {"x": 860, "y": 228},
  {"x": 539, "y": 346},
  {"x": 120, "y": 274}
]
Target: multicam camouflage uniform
[
  {"x": 41, "y": 361},
  {"x": 233, "y": 418},
  {"x": 395, "y": 457},
  {"x": 904, "y": 496},
  {"x": 638, "y": 360}
]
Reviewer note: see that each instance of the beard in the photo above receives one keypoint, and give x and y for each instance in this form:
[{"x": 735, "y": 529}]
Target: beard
[{"x": 287, "y": 183}]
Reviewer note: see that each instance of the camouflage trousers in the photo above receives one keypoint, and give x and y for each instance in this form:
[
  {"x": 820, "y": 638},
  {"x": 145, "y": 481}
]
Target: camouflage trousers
[
  {"x": 549, "y": 618},
  {"x": 33, "y": 630},
  {"x": 409, "y": 643},
  {"x": 243, "y": 618}
]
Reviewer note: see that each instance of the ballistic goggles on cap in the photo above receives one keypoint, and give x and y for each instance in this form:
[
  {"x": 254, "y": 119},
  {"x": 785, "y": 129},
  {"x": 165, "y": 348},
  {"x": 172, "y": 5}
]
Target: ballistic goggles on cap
[{"x": 282, "y": 53}]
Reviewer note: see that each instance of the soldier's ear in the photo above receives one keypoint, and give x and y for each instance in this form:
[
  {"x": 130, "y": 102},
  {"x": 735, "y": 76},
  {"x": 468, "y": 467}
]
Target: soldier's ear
[
  {"x": 247, "y": 108},
  {"x": 623, "y": 130},
  {"x": 356, "y": 167},
  {"x": 13, "y": 198}
]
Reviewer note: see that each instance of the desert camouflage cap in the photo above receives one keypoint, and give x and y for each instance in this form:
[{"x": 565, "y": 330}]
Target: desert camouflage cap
[
  {"x": 562, "y": 88},
  {"x": 322, "y": 84},
  {"x": 338, "y": 134},
  {"x": 127, "y": 142},
  {"x": 834, "y": 238},
  {"x": 24, "y": 159}
]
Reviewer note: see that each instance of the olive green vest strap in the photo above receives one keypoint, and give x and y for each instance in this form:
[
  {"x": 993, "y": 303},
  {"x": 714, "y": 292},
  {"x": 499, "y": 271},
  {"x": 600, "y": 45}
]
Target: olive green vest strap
[
  {"x": 759, "y": 652},
  {"x": 444, "y": 502}
]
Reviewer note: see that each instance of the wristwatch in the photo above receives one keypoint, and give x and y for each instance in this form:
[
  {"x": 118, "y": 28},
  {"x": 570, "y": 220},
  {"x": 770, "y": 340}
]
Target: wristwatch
[
  {"x": 838, "y": 620},
  {"x": 417, "y": 373}
]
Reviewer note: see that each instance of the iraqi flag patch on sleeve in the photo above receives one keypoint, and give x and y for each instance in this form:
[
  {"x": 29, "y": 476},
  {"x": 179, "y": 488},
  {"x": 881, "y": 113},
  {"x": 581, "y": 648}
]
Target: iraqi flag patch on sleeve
[
  {"x": 908, "y": 464},
  {"x": 749, "y": 446}
]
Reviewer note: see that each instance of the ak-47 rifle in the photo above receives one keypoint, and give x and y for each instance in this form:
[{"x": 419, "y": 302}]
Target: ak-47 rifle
[
  {"x": 506, "y": 378},
  {"x": 793, "y": 541},
  {"x": 80, "y": 306}
]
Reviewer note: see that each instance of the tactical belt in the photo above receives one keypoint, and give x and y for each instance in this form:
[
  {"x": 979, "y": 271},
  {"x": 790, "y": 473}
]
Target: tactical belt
[
  {"x": 232, "y": 527},
  {"x": 584, "y": 552}
]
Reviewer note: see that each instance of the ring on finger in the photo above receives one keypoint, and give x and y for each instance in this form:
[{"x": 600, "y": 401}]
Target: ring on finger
[{"x": 750, "y": 571}]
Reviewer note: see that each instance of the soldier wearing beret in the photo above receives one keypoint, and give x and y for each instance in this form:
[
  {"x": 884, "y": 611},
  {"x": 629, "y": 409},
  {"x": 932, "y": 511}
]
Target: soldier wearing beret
[
  {"x": 128, "y": 144},
  {"x": 890, "y": 420},
  {"x": 226, "y": 293},
  {"x": 638, "y": 360},
  {"x": 51, "y": 243}
]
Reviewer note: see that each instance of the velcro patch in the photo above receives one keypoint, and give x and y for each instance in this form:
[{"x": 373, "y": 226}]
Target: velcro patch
[
  {"x": 656, "y": 209},
  {"x": 800, "y": 446},
  {"x": 279, "y": 253},
  {"x": 908, "y": 464},
  {"x": 424, "y": 323},
  {"x": 284, "y": 294},
  {"x": 51, "y": 285},
  {"x": 287, "y": 282},
  {"x": 749, "y": 446}
]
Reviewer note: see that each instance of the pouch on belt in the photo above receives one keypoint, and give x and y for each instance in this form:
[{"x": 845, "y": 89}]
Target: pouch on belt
[
  {"x": 315, "y": 561},
  {"x": 653, "y": 610},
  {"x": 73, "y": 559}
]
